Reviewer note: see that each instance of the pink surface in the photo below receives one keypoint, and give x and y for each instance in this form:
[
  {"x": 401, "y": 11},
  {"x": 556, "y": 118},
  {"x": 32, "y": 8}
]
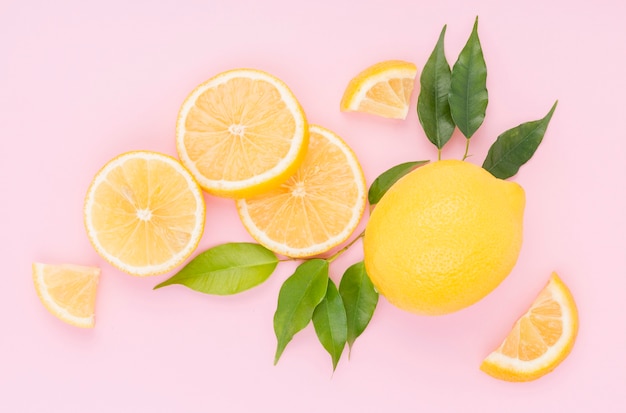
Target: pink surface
[{"x": 80, "y": 84}]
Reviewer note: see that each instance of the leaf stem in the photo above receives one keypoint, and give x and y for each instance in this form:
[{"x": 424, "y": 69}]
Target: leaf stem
[
  {"x": 438, "y": 154},
  {"x": 465, "y": 155},
  {"x": 344, "y": 249}
]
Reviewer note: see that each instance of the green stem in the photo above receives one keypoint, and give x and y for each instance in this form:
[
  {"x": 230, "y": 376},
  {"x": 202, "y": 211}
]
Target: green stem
[
  {"x": 438, "y": 154},
  {"x": 344, "y": 249},
  {"x": 465, "y": 155}
]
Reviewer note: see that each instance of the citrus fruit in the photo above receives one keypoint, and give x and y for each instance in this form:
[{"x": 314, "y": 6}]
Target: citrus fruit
[
  {"x": 383, "y": 89},
  {"x": 443, "y": 237},
  {"x": 315, "y": 209},
  {"x": 540, "y": 340},
  {"x": 144, "y": 213},
  {"x": 241, "y": 133},
  {"x": 68, "y": 291}
]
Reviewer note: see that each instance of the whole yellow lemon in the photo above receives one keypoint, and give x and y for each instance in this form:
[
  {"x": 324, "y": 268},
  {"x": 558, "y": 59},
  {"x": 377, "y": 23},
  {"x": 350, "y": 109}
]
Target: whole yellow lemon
[{"x": 443, "y": 237}]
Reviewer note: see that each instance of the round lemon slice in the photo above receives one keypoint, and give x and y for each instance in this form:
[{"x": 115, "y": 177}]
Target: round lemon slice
[
  {"x": 144, "y": 213},
  {"x": 317, "y": 208},
  {"x": 241, "y": 133}
]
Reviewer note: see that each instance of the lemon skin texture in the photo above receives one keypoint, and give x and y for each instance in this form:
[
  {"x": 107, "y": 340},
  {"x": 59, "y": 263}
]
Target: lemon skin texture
[{"x": 443, "y": 237}]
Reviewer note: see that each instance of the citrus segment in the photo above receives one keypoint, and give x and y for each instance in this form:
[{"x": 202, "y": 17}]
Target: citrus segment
[
  {"x": 383, "y": 89},
  {"x": 144, "y": 213},
  {"x": 443, "y": 237},
  {"x": 317, "y": 208},
  {"x": 68, "y": 291},
  {"x": 241, "y": 133},
  {"x": 540, "y": 340}
]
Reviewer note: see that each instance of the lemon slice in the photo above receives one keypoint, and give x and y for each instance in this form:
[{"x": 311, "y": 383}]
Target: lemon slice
[
  {"x": 315, "y": 209},
  {"x": 383, "y": 89},
  {"x": 68, "y": 291},
  {"x": 144, "y": 213},
  {"x": 241, "y": 133},
  {"x": 540, "y": 340}
]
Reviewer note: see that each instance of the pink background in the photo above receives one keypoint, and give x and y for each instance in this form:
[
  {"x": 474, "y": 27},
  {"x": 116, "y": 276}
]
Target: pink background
[{"x": 81, "y": 83}]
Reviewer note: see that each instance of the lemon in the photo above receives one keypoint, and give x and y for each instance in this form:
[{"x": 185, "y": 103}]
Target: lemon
[
  {"x": 540, "y": 339},
  {"x": 241, "y": 133},
  {"x": 68, "y": 291},
  {"x": 443, "y": 237},
  {"x": 317, "y": 208},
  {"x": 144, "y": 213},
  {"x": 383, "y": 89}
]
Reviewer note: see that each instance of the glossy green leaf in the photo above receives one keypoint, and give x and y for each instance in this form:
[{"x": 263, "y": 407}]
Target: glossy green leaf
[
  {"x": 516, "y": 146},
  {"x": 468, "y": 86},
  {"x": 226, "y": 269},
  {"x": 385, "y": 180},
  {"x": 359, "y": 298},
  {"x": 297, "y": 299},
  {"x": 329, "y": 320},
  {"x": 433, "y": 108}
]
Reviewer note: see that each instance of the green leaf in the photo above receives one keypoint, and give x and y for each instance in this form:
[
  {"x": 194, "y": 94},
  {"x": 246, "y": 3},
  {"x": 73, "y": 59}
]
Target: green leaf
[
  {"x": 433, "y": 108},
  {"x": 226, "y": 269},
  {"x": 385, "y": 180},
  {"x": 359, "y": 298},
  {"x": 297, "y": 299},
  {"x": 468, "y": 86},
  {"x": 516, "y": 146},
  {"x": 329, "y": 320}
]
